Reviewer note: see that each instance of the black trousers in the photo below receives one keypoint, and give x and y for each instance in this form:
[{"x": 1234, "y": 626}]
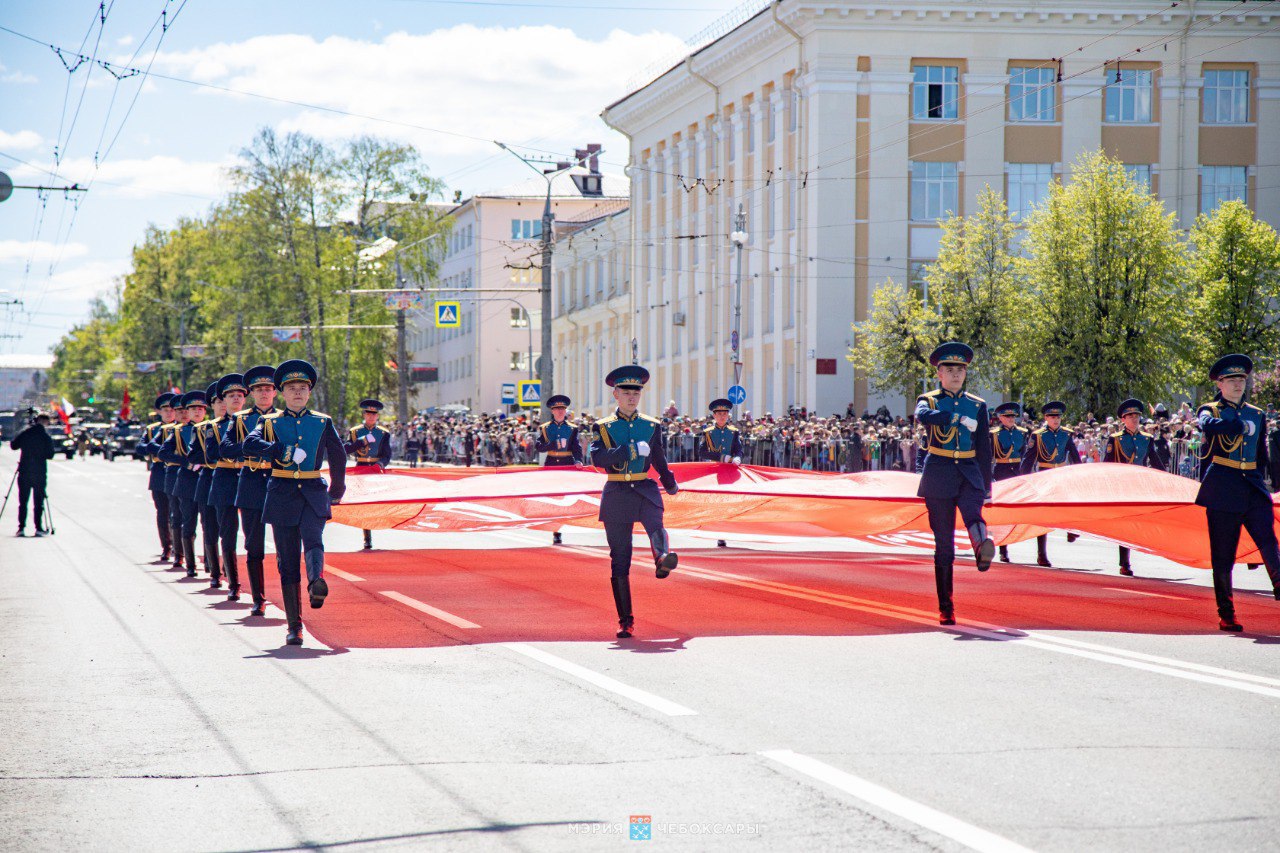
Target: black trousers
[
  {"x": 295, "y": 540},
  {"x": 228, "y": 528},
  {"x": 1224, "y": 537},
  {"x": 942, "y": 521},
  {"x": 161, "y": 501},
  {"x": 209, "y": 536},
  {"x": 618, "y": 535},
  {"x": 26, "y": 489},
  {"x": 189, "y": 514},
  {"x": 255, "y": 534}
]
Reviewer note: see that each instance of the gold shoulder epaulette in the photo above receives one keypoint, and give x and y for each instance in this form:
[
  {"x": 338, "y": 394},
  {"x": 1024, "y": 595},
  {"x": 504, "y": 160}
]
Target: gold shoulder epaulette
[
  {"x": 975, "y": 398},
  {"x": 1039, "y": 431},
  {"x": 320, "y": 414},
  {"x": 242, "y": 412},
  {"x": 1252, "y": 406},
  {"x": 935, "y": 392},
  {"x": 608, "y": 419},
  {"x": 647, "y": 418},
  {"x": 1117, "y": 434}
]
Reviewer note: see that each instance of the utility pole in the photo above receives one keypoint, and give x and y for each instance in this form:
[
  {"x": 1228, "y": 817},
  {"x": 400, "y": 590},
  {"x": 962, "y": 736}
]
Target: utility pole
[
  {"x": 182, "y": 350},
  {"x": 739, "y": 239},
  {"x": 402, "y": 356}
]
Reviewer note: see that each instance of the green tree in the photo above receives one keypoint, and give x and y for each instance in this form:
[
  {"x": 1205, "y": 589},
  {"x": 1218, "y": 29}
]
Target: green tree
[
  {"x": 1235, "y": 277},
  {"x": 1107, "y": 313}
]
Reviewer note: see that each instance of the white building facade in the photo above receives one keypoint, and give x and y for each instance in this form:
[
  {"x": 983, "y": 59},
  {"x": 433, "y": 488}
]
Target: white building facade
[{"x": 847, "y": 130}]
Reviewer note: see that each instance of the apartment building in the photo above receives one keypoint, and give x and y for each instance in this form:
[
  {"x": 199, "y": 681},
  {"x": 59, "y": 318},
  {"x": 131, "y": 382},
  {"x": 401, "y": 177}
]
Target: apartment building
[{"x": 847, "y": 130}]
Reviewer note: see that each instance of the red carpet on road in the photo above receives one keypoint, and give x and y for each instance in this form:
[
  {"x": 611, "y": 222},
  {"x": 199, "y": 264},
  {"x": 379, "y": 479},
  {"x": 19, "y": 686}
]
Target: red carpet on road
[{"x": 554, "y": 594}]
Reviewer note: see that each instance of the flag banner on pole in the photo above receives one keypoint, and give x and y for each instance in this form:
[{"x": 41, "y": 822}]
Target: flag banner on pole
[
  {"x": 1141, "y": 508},
  {"x": 145, "y": 366},
  {"x": 120, "y": 375},
  {"x": 193, "y": 350},
  {"x": 125, "y": 410},
  {"x": 286, "y": 336}
]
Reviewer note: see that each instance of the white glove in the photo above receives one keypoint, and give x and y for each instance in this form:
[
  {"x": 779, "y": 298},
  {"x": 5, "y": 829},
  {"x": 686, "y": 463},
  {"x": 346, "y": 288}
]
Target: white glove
[
  {"x": 370, "y": 438},
  {"x": 1250, "y": 428},
  {"x": 299, "y": 455},
  {"x": 737, "y": 460},
  {"x": 969, "y": 423},
  {"x": 642, "y": 448},
  {"x": 725, "y": 459}
]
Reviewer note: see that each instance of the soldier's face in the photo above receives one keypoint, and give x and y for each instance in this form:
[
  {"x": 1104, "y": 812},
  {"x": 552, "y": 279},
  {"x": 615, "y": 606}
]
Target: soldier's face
[
  {"x": 180, "y": 416},
  {"x": 296, "y": 394},
  {"x": 219, "y": 408},
  {"x": 722, "y": 418},
  {"x": 234, "y": 401},
  {"x": 1053, "y": 421},
  {"x": 628, "y": 399},
  {"x": 1232, "y": 388},
  {"x": 370, "y": 419},
  {"x": 1130, "y": 421},
  {"x": 1006, "y": 420},
  {"x": 264, "y": 396},
  {"x": 558, "y": 414},
  {"x": 195, "y": 414},
  {"x": 166, "y": 414},
  {"x": 952, "y": 376}
]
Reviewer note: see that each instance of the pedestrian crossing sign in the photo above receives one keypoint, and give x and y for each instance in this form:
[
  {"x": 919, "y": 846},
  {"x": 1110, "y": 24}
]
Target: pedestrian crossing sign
[
  {"x": 529, "y": 393},
  {"x": 448, "y": 315}
]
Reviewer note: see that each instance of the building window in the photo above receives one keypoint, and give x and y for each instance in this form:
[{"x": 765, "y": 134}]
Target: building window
[
  {"x": 519, "y": 361},
  {"x": 771, "y": 120},
  {"x": 1032, "y": 94},
  {"x": 1221, "y": 183},
  {"x": 526, "y": 229},
  {"x": 519, "y": 319},
  {"x": 1139, "y": 173},
  {"x": 730, "y": 141},
  {"x": 1226, "y": 97},
  {"x": 934, "y": 189},
  {"x": 793, "y": 109},
  {"x": 749, "y": 123},
  {"x": 1129, "y": 97},
  {"x": 1028, "y": 186},
  {"x": 600, "y": 277},
  {"x": 935, "y": 93}
]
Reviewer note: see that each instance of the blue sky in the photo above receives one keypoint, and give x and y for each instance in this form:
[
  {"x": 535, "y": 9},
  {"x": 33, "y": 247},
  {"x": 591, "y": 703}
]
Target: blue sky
[{"x": 530, "y": 73}]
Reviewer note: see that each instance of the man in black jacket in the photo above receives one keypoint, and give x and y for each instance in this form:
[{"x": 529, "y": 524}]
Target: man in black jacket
[{"x": 36, "y": 448}]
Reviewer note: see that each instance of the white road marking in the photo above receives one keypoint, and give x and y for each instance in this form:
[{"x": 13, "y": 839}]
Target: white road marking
[
  {"x": 882, "y": 798},
  {"x": 604, "y": 682},
  {"x": 346, "y": 576},
  {"x": 1141, "y": 592},
  {"x": 442, "y": 615}
]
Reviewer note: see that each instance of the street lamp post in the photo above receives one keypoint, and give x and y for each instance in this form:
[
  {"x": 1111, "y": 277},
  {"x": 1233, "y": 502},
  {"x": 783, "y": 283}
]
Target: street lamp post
[{"x": 739, "y": 239}]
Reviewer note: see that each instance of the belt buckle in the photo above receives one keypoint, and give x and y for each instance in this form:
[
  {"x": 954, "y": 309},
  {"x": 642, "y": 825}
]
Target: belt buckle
[{"x": 296, "y": 474}]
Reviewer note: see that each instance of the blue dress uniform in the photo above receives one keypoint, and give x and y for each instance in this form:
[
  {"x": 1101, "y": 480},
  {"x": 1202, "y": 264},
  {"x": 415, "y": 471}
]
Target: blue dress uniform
[
  {"x": 957, "y": 472},
  {"x": 169, "y": 482},
  {"x": 298, "y": 498},
  {"x": 1131, "y": 448},
  {"x": 147, "y": 449},
  {"x": 559, "y": 440},
  {"x": 222, "y": 487},
  {"x": 251, "y": 483},
  {"x": 618, "y": 446},
  {"x": 1233, "y": 491},
  {"x": 370, "y": 445},
  {"x": 206, "y": 439},
  {"x": 1046, "y": 449},
  {"x": 180, "y": 448},
  {"x": 720, "y": 444},
  {"x": 1007, "y": 447}
]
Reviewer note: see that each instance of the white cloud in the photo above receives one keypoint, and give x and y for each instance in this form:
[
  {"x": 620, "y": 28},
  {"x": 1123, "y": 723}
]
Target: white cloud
[
  {"x": 83, "y": 282},
  {"x": 140, "y": 178},
  {"x": 124, "y": 41},
  {"x": 19, "y": 77},
  {"x": 38, "y": 251},
  {"x": 509, "y": 83},
  {"x": 21, "y": 140}
]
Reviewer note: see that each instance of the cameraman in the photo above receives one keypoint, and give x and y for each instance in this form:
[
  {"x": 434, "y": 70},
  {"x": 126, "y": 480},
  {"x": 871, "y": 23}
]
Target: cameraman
[{"x": 33, "y": 469}]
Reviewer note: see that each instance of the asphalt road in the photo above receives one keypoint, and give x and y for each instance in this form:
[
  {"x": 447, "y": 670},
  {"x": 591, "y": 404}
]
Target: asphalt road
[{"x": 466, "y": 692}]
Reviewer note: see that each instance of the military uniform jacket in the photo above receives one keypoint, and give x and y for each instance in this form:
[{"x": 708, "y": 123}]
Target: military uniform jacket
[
  {"x": 716, "y": 443},
  {"x": 148, "y": 448},
  {"x": 251, "y": 484},
  {"x": 953, "y": 452},
  {"x": 225, "y": 472},
  {"x": 205, "y": 452},
  {"x": 548, "y": 441},
  {"x": 1132, "y": 448},
  {"x": 1234, "y": 461},
  {"x": 377, "y": 452},
  {"x": 1007, "y": 448},
  {"x": 613, "y": 448},
  {"x": 181, "y": 452},
  {"x": 292, "y": 485},
  {"x": 172, "y": 464},
  {"x": 1049, "y": 448}
]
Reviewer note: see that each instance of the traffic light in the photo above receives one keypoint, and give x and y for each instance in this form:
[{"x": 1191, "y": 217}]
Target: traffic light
[{"x": 92, "y": 399}]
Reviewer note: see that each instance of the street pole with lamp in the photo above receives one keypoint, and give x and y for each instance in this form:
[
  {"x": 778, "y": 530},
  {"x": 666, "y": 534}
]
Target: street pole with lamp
[{"x": 739, "y": 238}]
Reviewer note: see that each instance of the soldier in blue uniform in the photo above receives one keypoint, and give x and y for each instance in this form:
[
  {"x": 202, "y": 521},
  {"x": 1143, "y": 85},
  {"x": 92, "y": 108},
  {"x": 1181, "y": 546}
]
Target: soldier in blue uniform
[
  {"x": 625, "y": 445},
  {"x": 298, "y": 441},
  {"x": 1048, "y": 447},
  {"x": 1008, "y": 441},
  {"x": 721, "y": 442},
  {"x": 226, "y": 474},
  {"x": 171, "y": 477},
  {"x": 1233, "y": 491},
  {"x": 181, "y": 449},
  {"x": 207, "y": 441},
  {"x": 148, "y": 449},
  {"x": 370, "y": 444},
  {"x": 1131, "y": 446},
  {"x": 559, "y": 440},
  {"x": 251, "y": 484},
  {"x": 957, "y": 468}
]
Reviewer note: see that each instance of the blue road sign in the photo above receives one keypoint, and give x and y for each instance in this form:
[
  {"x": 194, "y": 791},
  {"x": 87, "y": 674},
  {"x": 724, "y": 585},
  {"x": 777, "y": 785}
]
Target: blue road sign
[
  {"x": 529, "y": 393},
  {"x": 448, "y": 315},
  {"x": 737, "y": 395},
  {"x": 508, "y": 393}
]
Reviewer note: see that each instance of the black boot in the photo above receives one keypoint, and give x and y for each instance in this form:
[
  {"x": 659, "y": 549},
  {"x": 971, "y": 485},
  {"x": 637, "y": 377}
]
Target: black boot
[
  {"x": 189, "y": 554},
  {"x": 1042, "y": 552},
  {"x": 1125, "y": 568},
  {"x": 232, "y": 567},
  {"x": 555, "y": 538},
  {"x": 368, "y": 540},
  {"x": 292, "y": 594},
  {"x": 166, "y": 545},
  {"x": 983, "y": 548},
  {"x": 175, "y": 536},
  {"x": 317, "y": 588},
  {"x": 256, "y": 586},
  {"x": 622, "y": 601},
  {"x": 1004, "y": 553},
  {"x": 1227, "y": 622},
  {"x": 720, "y": 543},
  {"x": 664, "y": 560},
  {"x": 943, "y": 576},
  {"x": 213, "y": 564}
]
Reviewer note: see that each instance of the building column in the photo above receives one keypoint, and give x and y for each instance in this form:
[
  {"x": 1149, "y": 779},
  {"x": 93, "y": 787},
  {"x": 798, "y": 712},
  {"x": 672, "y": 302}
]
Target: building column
[
  {"x": 1267, "y": 181},
  {"x": 985, "y": 88},
  {"x": 1178, "y": 187},
  {"x": 1081, "y": 110}
]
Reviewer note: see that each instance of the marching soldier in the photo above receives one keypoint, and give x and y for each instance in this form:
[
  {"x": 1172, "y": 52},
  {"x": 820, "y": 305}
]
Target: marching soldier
[
  {"x": 370, "y": 444},
  {"x": 222, "y": 488},
  {"x": 957, "y": 468},
  {"x": 1049, "y": 447},
  {"x": 298, "y": 441},
  {"x": 1233, "y": 492},
  {"x": 1131, "y": 446},
  {"x": 181, "y": 448},
  {"x": 171, "y": 469},
  {"x": 251, "y": 484},
  {"x": 722, "y": 442},
  {"x": 626, "y": 444},
  {"x": 1008, "y": 441},
  {"x": 559, "y": 440},
  {"x": 148, "y": 449},
  {"x": 207, "y": 454}
]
